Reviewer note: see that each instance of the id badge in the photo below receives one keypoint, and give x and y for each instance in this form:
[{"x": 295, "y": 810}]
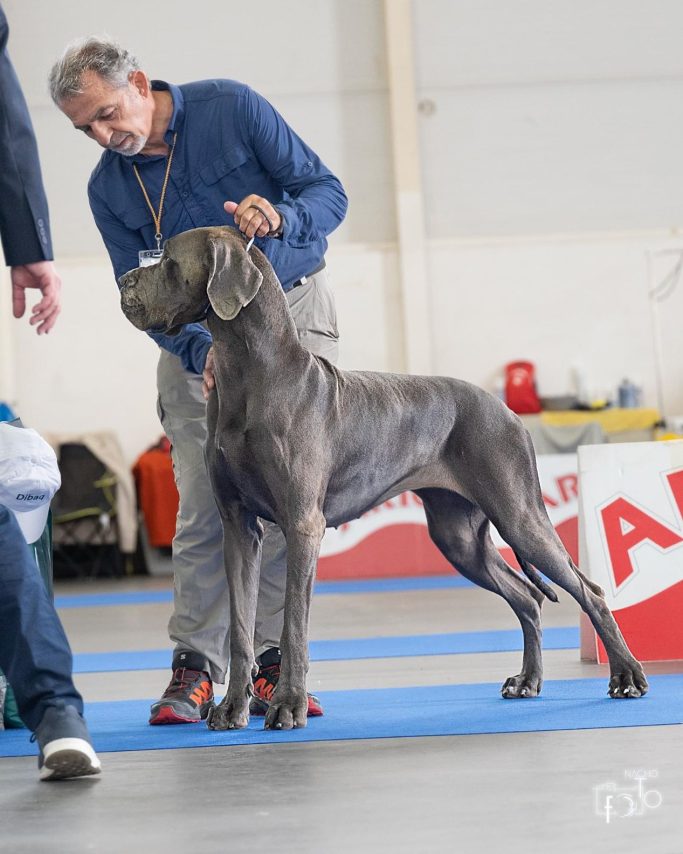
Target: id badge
[{"x": 149, "y": 257}]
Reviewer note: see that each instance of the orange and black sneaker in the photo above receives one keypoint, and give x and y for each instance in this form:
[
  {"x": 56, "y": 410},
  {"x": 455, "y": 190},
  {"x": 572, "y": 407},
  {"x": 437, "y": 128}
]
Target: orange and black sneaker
[
  {"x": 187, "y": 699},
  {"x": 264, "y": 684}
]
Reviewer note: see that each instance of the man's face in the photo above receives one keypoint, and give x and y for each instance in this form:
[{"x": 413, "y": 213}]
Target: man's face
[{"x": 119, "y": 119}]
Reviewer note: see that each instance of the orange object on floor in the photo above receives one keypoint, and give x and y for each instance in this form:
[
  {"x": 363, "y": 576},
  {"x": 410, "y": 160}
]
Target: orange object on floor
[{"x": 157, "y": 493}]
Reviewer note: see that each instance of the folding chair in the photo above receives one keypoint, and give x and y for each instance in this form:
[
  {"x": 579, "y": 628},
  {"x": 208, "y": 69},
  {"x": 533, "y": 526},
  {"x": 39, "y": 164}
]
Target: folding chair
[{"x": 84, "y": 515}]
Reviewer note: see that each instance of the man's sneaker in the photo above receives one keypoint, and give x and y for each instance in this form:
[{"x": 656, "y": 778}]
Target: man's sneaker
[
  {"x": 264, "y": 684},
  {"x": 65, "y": 746},
  {"x": 187, "y": 699}
]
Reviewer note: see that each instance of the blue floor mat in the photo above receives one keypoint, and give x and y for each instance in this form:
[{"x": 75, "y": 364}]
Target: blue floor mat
[
  {"x": 394, "y": 713},
  {"x": 508, "y": 640}
]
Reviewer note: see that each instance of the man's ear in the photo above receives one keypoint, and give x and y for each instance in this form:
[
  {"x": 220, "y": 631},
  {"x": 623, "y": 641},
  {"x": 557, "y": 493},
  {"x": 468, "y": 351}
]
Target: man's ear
[
  {"x": 234, "y": 279},
  {"x": 139, "y": 80}
]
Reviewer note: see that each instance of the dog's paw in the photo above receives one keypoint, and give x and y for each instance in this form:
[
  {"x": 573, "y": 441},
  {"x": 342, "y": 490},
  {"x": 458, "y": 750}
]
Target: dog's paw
[
  {"x": 226, "y": 716},
  {"x": 287, "y": 711},
  {"x": 629, "y": 684},
  {"x": 521, "y": 686}
]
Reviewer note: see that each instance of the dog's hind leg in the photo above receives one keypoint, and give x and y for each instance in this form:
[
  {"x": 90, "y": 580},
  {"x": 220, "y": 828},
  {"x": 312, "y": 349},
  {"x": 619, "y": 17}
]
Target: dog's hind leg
[
  {"x": 242, "y": 536},
  {"x": 537, "y": 544},
  {"x": 513, "y": 502},
  {"x": 461, "y": 532}
]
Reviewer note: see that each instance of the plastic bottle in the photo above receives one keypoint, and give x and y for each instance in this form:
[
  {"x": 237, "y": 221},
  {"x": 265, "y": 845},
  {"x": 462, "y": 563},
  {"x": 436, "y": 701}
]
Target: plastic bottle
[{"x": 628, "y": 395}]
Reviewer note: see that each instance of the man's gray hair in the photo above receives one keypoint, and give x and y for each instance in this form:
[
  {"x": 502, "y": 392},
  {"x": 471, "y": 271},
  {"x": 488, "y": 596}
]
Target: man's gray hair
[{"x": 101, "y": 55}]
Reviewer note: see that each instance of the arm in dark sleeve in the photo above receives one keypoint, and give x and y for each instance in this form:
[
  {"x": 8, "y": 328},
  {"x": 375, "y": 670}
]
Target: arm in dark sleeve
[
  {"x": 24, "y": 220},
  {"x": 318, "y": 202},
  {"x": 192, "y": 343}
]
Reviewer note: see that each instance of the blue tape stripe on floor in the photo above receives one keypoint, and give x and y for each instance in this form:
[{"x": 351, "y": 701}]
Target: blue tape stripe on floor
[
  {"x": 393, "y": 713},
  {"x": 91, "y": 600},
  {"x": 351, "y": 649},
  {"x": 110, "y": 662},
  {"x": 371, "y": 585},
  {"x": 390, "y": 585}
]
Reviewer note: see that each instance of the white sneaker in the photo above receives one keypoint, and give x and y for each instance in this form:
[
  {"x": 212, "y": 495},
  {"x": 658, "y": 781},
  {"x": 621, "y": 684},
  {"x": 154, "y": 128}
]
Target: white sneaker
[{"x": 65, "y": 747}]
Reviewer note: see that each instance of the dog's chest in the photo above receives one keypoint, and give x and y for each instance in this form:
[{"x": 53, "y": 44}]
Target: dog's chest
[{"x": 247, "y": 464}]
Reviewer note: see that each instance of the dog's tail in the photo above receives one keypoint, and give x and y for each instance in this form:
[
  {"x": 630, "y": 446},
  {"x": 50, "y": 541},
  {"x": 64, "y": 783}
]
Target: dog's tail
[{"x": 534, "y": 577}]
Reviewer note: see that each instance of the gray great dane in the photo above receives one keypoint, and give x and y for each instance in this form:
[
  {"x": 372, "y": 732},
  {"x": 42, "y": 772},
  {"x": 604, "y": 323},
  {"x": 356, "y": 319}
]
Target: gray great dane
[{"x": 294, "y": 440}]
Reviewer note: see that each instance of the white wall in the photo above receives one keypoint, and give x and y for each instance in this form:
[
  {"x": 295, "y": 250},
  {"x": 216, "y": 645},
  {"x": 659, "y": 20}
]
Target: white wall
[
  {"x": 560, "y": 302},
  {"x": 550, "y": 115},
  {"x": 550, "y": 139}
]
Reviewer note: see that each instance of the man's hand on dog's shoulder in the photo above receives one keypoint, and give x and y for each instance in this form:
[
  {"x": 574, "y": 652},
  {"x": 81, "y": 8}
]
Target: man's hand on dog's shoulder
[
  {"x": 255, "y": 216},
  {"x": 209, "y": 382}
]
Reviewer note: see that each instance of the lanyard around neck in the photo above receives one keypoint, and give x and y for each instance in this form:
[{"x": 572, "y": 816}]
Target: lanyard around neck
[{"x": 157, "y": 216}]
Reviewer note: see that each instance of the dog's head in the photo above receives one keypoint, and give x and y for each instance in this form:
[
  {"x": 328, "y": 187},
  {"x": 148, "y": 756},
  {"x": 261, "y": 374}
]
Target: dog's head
[{"x": 199, "y": 268}]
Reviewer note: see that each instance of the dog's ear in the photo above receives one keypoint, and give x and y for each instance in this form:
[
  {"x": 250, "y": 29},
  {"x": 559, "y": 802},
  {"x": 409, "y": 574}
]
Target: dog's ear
[{"x": 234, "y": 279}]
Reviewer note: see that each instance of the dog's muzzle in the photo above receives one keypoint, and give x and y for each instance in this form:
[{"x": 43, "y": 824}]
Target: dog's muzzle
[{"x": 133, "y": 308}]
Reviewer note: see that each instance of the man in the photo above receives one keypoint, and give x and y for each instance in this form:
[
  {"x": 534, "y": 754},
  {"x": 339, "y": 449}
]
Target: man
[
  {"x": 180, "y": 157},
  {"x": 34, "y": 651},
  {"x": 24, "y": 222}
]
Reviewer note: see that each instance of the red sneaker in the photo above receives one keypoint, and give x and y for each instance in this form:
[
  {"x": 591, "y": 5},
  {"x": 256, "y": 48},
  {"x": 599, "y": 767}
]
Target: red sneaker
[
  {"x": 187, "y": 699},
  {"x": 264, "y": 684}
]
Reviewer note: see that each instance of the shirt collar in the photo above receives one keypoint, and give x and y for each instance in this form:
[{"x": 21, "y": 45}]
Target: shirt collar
[
  {"x": 178, "y": 108},
  {"x": 175, "y": 122}
]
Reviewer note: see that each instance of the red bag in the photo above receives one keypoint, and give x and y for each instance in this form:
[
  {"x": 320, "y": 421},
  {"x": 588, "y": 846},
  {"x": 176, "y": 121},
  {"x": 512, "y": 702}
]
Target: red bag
[
  {"x": 157, "y": 493},
  {"x": 520, "y": 388}
]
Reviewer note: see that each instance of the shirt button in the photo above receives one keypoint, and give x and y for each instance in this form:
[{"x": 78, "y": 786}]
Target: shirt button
[{"x": 185, "y": 194}]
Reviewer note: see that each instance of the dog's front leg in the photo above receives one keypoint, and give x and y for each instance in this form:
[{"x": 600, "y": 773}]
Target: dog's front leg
[
  {"x": 242, "y": 536},
  {"x": 289, "y": 704}
]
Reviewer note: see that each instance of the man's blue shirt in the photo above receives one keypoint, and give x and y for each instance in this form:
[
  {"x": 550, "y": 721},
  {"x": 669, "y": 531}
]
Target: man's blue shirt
[{"x": 230, "y": 142}]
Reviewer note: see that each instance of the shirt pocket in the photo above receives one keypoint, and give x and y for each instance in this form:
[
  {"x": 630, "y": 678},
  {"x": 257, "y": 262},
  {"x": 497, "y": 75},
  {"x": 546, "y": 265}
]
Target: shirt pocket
[
  {"x": 223, "y": 165},
  {"x": 136, "y": 218}
]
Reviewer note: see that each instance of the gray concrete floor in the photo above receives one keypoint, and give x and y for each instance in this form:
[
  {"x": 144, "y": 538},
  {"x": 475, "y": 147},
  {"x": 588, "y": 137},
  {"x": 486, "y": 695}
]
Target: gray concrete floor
[{"x": 480, "y": 793}]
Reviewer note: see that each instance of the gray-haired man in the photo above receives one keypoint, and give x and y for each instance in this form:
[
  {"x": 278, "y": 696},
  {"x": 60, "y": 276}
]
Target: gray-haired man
[{"x": 174, "y": 155}]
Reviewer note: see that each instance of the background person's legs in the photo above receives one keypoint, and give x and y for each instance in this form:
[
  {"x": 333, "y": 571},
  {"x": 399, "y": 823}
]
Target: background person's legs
[
  {"x": 34, "y": 652},
  {"x": 201, "y": 606},
  {"x": 36, "y": 658},
  {"x": 201, "y": 611}
]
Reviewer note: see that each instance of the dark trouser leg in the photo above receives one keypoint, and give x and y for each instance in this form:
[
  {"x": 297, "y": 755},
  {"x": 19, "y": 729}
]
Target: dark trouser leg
[{"x": 34, "y": 652}]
